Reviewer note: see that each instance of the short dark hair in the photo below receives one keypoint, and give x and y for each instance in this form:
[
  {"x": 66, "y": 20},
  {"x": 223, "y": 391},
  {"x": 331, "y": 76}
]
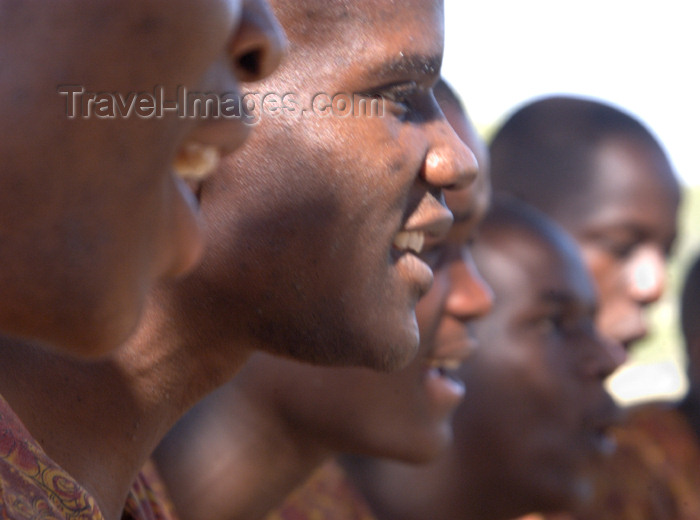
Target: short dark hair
[
  {"x": 690, "y": 303},
  {"x": 543, "y": 153}
]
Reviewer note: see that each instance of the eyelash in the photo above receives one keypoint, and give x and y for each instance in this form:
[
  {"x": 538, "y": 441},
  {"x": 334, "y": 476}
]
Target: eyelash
[
  {"x": 552, "y": 322},
  {"x": 401, "y": 95},
  {"x": 620, "y": 249},
  {"x": 562, "y": 322}
]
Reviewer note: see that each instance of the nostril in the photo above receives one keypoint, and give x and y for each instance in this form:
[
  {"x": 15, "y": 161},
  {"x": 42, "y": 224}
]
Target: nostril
[{"x": 249, "y": 65}]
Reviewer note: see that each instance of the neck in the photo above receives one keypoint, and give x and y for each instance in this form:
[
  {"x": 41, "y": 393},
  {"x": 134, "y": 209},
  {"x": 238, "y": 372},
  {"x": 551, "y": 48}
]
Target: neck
[
  {"x": 233, "y": 457},
  {"x": 116, "y": 410},
  {"x": 445, "y": 489}
]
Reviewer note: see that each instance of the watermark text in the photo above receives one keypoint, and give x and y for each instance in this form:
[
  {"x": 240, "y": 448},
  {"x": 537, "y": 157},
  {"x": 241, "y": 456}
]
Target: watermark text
[{"x": 249, "y": 107}]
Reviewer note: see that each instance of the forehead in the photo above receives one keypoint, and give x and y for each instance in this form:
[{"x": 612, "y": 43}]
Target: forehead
[
  {"x": 535, "y": 265},
  {"x": 385, "y": 37},
  {"x": 632, "y": 183}
]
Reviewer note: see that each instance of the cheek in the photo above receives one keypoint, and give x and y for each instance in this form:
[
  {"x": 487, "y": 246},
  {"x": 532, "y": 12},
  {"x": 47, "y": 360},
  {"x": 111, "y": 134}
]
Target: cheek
[
  {"x": 607, "y": 272},
  {"x": 393, "y": 160}
]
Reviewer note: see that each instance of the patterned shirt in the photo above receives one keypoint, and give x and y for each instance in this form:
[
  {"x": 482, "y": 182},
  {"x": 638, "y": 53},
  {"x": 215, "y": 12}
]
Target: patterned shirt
[
  {"x": 655, "y": 472},
  {"x": 148, "y": 499},
  {"x": 34, "y": 487},
  {"x": 327, "y": 495}
]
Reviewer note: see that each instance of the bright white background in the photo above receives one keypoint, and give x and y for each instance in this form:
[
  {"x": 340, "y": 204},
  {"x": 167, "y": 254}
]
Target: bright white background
[{"x": 641, "y": 55}]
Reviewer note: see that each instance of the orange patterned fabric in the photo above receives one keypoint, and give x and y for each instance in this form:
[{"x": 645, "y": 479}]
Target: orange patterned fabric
[
  {"x": 327, "y": 495},
  {"x": 552, "y": 516},
  {"x": 32, "y": 486},
  {"x": 148, "y": 499},
  {"x": 655, "y": 473}
]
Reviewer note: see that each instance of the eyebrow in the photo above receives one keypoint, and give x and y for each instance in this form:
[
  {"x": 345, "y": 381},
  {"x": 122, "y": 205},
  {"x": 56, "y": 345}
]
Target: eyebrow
[
  {"x": 403, "y": 64},
  {"x": 557, "y": 297},
  {"x": 564, "y": 298},
  {"x": 636, "y": 233}
]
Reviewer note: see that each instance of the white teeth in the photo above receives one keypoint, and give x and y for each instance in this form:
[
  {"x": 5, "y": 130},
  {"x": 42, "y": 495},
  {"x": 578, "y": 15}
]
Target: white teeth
[
  {"x": 195, "y": 161},
  {"x": 409, "y": 240},
  {"x": 445, "y": 364}
]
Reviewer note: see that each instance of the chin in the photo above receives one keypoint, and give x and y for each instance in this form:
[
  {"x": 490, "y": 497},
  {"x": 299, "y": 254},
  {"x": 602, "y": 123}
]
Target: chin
[
  {"x": 422, "y": 449},
  {"x": 396, "y": 352},
  {"x": 338, "y": 339},
  {"x": 573, "y": 492}
]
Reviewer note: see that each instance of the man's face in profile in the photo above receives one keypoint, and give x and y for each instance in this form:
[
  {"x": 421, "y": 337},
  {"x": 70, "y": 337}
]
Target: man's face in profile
[
  {"x": 536, "y": 385},
  {"x": 325, "y": 229},
  {"x": 93, "y": 212},
  {"x": 626, "y": 232}
]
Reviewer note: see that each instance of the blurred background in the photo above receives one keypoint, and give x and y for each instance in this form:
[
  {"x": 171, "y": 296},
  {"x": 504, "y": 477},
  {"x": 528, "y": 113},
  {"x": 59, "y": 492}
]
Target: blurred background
[{"x": 640, "y": 56}]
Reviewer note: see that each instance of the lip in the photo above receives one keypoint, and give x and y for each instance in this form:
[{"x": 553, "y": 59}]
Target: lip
[
  {"x": 444, "y": 391},
  {"x": 604, "y": 442},
  {"x": 444, "y": 387},
  {"x": 629, "y": 340},
  {"x": 454, "y": 350},
  {"x": 599, "y": 429},
  {"x": 427, "y": 226},
  {"x": 431, "y": 218},
  {"x": 417, "y": 274},
  {"x": 630, "y": 329}
]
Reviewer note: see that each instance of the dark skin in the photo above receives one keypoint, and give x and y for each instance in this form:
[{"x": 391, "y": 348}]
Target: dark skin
[
  {"x": 654, "y": 464},
  {"x": 95, "y": 214},
  {"x": 303, "y": 231},
  {"x": 535, "y": 406},
  {"x": 627, "y": 238},
  {"x": 373, "y": 179},
  {"x": 605, "y": 178},
  {"x": 243, "y": 449}
]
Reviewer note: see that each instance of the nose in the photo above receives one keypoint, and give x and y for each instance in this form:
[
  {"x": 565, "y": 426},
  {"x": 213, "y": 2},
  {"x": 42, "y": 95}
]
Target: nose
[
  {"x": 603, "y": 357},
  {"x": 470, "y": 297},
  {"x": 647, "y": 275},
  {"x": 258, "y": 44},
  {"x": 449, "y": 163}
]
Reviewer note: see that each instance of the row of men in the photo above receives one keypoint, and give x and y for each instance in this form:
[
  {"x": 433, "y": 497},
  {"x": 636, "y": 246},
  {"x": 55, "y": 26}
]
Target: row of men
[
  {"x": 322, "y": 234},
  {"x": 537, "y": 430}
]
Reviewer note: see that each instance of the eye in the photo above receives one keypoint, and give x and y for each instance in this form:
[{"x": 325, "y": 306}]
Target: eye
[
  {"x": 552, "y": 323},
  {"x": 619, "y": 242},
  {"x": 618, "y": 248},
  {"x": 565, "y": 322},
  {"x": 400, "y": 97}
]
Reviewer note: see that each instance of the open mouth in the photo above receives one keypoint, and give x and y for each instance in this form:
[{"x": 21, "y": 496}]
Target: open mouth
[
  {"x": 601, "y": 430},
  {"x": 412, "y": 241},
  {"x": 195, "y": 161},
  {"x": 446, "y": 369},
  {"x": 445, "y": 366},
  {"x": 604, "y": 441},
  {"x": 445, "y": 388}
]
